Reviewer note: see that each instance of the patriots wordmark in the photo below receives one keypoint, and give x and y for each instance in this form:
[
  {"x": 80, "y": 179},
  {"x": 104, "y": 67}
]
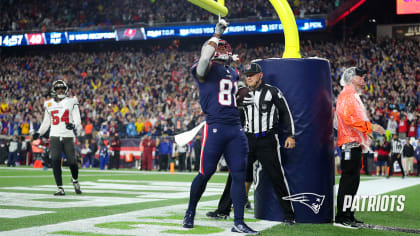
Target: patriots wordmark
[{"x": 375, "y": 203}]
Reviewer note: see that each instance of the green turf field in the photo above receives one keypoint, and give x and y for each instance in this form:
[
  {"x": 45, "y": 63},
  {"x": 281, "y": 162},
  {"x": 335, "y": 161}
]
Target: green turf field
[{"x": 128, "y": 202}]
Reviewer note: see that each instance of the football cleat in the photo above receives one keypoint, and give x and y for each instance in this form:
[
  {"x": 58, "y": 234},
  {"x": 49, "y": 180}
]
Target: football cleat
[
  {"x": 244, "y": 229},
  {"x": 348, "y": 224},
  {"x": 357, "y": 222},
  {"x": 76, "y": 187},
  {"x": 188, "y": 220},
  {"x": 60, "y": 192},
  {"x": 289, "y": 221},
  {"x": 217, "y": 216}
]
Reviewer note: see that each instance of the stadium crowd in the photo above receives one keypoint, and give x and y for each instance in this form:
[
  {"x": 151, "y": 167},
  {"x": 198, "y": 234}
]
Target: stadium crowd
[
  {"x": 54, "y": 15},
  {"x": 136, "y": 92}
]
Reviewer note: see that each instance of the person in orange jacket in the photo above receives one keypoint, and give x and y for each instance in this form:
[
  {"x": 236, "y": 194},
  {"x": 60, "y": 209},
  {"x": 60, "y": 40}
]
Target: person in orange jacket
[{"x": 353, "y": 137}]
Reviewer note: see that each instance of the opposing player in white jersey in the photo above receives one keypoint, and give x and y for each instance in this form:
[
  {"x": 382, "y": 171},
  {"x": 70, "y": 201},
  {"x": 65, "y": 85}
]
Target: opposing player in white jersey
[{"x": 62, "y": 116}]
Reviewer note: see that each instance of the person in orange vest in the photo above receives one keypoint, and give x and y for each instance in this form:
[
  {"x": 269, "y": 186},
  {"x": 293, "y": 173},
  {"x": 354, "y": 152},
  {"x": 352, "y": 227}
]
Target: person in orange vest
[
  {"x": 353, "y": 137},
  {"x": 149, "y": 147}
]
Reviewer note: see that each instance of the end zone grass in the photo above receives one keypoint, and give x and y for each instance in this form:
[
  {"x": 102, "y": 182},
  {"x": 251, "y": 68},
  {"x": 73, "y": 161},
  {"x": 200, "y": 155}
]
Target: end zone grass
[{"x": 41, "y": 183}]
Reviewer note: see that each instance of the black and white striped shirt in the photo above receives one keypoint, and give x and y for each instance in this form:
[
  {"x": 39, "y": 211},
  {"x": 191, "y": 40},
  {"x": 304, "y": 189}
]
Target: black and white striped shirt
[
  {"x": 396, "y": 146},
  {"x": 268, "y": 109}
]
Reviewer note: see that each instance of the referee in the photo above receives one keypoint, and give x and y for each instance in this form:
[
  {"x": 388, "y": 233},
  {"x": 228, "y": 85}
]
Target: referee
[
  {"x": 396, "y": 151},
  {"x": 264, "y": 109}
]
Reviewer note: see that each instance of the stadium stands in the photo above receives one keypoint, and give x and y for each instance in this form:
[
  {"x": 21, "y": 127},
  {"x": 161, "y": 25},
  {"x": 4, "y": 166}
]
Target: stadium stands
[
  {"x": 25, "y": 15},
  {"x": 134, "y": 86}
]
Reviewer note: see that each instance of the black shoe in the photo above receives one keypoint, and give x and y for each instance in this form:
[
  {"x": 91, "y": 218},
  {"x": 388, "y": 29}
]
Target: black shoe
[
  {"x": 188, "y": 220},
  {"x": 289, "y": 221},
  {"x": 349, "y": 224},
  {"x": 243, "y": 228},
  {"x": 60, "y": 192},
  {"x": 248, "y": 205},
  {"x": 357, "y": 221},
  {"x": 217, "y": 216},
  {"x": 76, "y": 187}
]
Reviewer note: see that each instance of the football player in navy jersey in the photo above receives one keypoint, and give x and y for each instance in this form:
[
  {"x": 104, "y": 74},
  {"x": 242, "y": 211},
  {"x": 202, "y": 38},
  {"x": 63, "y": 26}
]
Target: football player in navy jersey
[{"x": 222, "y": 134}]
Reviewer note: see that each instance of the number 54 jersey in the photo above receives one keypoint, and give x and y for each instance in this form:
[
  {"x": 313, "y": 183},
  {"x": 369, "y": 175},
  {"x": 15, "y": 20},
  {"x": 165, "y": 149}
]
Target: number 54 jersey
[
  {"x": 218, "y": 94},
  {"x": 58, "y": 114}
]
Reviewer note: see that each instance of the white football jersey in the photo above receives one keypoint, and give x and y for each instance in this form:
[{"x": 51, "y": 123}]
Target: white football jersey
[{"x": 58, "y": 115}]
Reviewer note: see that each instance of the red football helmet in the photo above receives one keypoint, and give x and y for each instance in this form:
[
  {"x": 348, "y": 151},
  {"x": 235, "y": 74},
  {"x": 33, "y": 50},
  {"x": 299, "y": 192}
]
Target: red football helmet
[{"x": 223, "y": 51}]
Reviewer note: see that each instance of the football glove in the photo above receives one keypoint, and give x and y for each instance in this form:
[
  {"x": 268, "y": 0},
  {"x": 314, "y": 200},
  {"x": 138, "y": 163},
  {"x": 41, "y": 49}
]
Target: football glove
[
  {"x": 70, "y": 126},
  {"x": 221, "y": 26},
  {"x": 249, "y": 100}
]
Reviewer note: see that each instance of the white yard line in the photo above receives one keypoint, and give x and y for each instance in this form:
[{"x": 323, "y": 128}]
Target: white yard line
[
  {"x": 15, "y": 213},
  {"x": 121, "y": 171},
  {"x": 88, "y": 225},
  {"x": 383, "y": 185}
]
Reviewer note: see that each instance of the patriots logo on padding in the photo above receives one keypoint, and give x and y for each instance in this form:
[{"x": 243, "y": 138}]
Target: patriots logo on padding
[{"x": 311, "y": 200}]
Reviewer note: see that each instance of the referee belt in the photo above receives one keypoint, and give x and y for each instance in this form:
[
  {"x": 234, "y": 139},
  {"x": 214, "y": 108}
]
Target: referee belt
[{"x": 262, "y": 134}]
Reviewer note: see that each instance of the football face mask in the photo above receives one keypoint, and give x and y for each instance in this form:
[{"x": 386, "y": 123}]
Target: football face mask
[
  {"x": 223, "y": 51},
  {"x": 59, "y": 89}
]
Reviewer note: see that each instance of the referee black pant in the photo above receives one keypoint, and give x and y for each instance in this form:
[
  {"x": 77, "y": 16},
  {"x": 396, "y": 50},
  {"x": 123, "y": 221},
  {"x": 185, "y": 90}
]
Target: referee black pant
[
  {"x": 394, "y": 157},
  {"x": 57, "y": 147},
  {"x": 266, "y": 150},
  {"x": 349, "y": 181}
]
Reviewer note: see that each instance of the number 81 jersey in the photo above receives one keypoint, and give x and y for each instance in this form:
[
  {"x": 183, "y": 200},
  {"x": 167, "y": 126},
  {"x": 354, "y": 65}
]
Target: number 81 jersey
[
  {"x": 218, "y": 94},
  {"x": 58, "y": 114}
]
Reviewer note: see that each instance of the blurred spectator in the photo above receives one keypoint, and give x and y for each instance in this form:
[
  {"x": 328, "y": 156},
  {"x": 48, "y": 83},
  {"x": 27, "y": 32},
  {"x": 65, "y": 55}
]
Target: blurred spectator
[
  {"x": 131, "y": 129},
  {"x": 417, "y": 156},
  {"x": 149, "y": 147},
  {"x": 402, "y": 127},
  {"x": 412, "y": 130},
  {"x": 88, "y": 130},
  {"x": 103, "y": 154},
  {"x": 408, "y": 153},
  {"x": 115, "y": 148},
  {"x": 165, "y": 152},
  {"x": 180, "y": 152},
  {"x": 383, "y": 148},
  {"x": 86, "y": 154},
  {"x": 52, "y": 15},
  {"x": 94, "y": 148},
  {"x": 13, "y": 151},
  {"x": 4, "y": 151}
]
